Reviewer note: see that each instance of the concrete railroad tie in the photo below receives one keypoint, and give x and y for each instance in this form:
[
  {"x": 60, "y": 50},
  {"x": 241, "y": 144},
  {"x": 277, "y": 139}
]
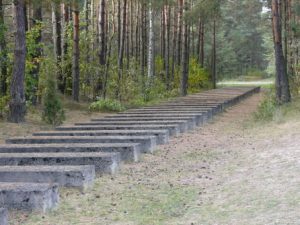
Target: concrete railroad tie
[
  {"x": 29, "y": 196},
  {"x": 3, "y": 216},
  {"x": 147, "y": 143},
  {"x": 66, "y": 176},
  {"x": 103, "y": 162},
  {"x": 128, "y": 151},
  {"x": 162, "y": 136}
]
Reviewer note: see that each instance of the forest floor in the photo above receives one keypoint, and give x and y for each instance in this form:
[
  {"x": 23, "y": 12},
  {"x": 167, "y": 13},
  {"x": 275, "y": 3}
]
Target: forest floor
[
  {"x": 74, "y": 112},
  {"x": 233, "y": 171}
]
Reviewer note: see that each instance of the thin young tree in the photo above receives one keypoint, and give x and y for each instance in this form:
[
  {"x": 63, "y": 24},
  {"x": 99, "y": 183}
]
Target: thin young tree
[
  {"x": 151, "y": 44},
  {"x": 185, "y": 56},
  {"x": 76, "y": 54}
]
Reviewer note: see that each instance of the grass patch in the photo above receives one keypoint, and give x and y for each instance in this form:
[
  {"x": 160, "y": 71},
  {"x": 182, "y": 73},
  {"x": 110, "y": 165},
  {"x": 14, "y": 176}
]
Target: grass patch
[
  {"x": 106, "y": 105},
  {"x": 270, "y": 111},
  {"x": 137, "y": 204}
]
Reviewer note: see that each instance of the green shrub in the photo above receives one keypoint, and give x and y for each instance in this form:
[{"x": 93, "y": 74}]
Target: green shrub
[
  {"x": 53, "y": 112},
  {"x": 106, "y": 105},
  {"x": 198, "y": 77},
  {"x": 267, "y": 109},
  {"x": 3, "y": 106}
]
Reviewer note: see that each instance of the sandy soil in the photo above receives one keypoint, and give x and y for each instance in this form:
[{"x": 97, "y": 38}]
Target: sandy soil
[{"x": 232, "y": 171}]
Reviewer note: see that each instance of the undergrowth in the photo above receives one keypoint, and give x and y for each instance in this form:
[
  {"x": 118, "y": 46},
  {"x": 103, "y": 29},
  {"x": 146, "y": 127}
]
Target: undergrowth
[
  {"x": 270, "y": 111},
  {"x": 106, "y": 105}
]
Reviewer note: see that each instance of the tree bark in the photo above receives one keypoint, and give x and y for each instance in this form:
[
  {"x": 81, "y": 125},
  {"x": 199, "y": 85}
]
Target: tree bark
[
  {"x": 174, "y": 46},
  {"x": 202, "y": 46},
  {"x": 17, "y": 105},
  {"x": 185, "y": 58},
  {"x": 121, "y": 51},
  {"x": 151, "y": 44},
  {"x": 179, "y": 45},
  {"x": 102, "y": 29},
  {"x": 167, "y": 54},
  {"x": 76, "y": 55},
  {"x": 214, "y": 55},
  {"x": 87, "y": 29},
  {"x": 66, "y": 69},
  {"x": 282, "y": 84},
  {"x": 57, "y": 39}
]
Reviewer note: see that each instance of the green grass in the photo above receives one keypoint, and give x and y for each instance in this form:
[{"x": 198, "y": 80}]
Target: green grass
[{"x": 138, "y": 204}]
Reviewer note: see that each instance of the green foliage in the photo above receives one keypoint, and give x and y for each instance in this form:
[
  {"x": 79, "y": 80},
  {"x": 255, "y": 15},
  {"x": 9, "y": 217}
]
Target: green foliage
[
  {"x": 267, "y": 108},
  {"x": 106, "y": 105},
  {"x": 295, "y": 82},
  {"x": 53, "y": 112},
  {"x": 33, "y": 59},
  {"x": 198, "y": 77},
  {"x": 3, "y": 106},
  {"x": 256, "y": 74}
]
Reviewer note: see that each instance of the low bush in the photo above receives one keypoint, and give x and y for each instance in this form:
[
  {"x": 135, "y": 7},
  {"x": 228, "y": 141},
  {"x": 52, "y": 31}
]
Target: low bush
[
  {"x": 3, "y": 106},
  {"x": 198, "y": 77},
  {"x": 53, "y": 112},
  {"x": 268, "y": 108},
  {"x": 106, "y": 105}
]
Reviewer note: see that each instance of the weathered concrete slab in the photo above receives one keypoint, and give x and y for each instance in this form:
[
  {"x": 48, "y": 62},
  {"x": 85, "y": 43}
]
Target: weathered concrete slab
[
  {"x": 188, "y": 106},
  {"x": 168, "y": 125},
  {"x": 174, "y": 129},
  {"x": 148, "y": 143},
  {"x": 67, "y": 176},
  {"x": 161, "y": 135},
  {"x": 128, "y": 151},
  {"x": 184, "y": 124},
  {"x": 190, "y": 119},
  {"x": 202, "y": 117},
  {"x": 3, "y": 216},
  {"x": 199, "y": 117},
  {"x": 192, "y": 123},
  {"x": 103, "y": 162},
  {"x": 214, "y": 110},
  {"x": 29, "y": 196}
]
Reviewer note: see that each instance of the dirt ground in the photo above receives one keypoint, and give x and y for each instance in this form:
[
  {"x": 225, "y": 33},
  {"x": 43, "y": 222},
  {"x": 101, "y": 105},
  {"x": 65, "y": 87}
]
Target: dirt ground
[{"x": 233, "y": 171}]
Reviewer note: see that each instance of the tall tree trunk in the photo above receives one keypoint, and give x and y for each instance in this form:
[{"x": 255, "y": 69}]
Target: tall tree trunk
[
  {"x": 180, "y": 19},
  {"x": 151, "y": 44},
  {"x": 75, "y": 70},
  {"x": 202, "y": 46},
  {"x": 66, "y": 68},
  {"x": 119, "y": 25},
  {"x": 143, "y": 38},
  {"x": 3, "y": 53},
  {"x": 174, "y": 47},
  {"x": 56, "y": 25},
  {"x": 282, "y": 83},
  {"x": 37, "y": 20},
  {"x": 167, "y": 54},
  {"x": 163, "y": 35},
  {"x": 214, "y": 55},
  {"x": 87, "y": 29},
  {"x": 185, "y": 58},
  {"x": 17, "y": 105},
  {"x": 102, "y": 29},
  {"x": 121, "y": 52}
]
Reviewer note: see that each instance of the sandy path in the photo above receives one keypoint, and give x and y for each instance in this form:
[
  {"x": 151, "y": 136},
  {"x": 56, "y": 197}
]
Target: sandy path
[{"x": 228, "y": 172}]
